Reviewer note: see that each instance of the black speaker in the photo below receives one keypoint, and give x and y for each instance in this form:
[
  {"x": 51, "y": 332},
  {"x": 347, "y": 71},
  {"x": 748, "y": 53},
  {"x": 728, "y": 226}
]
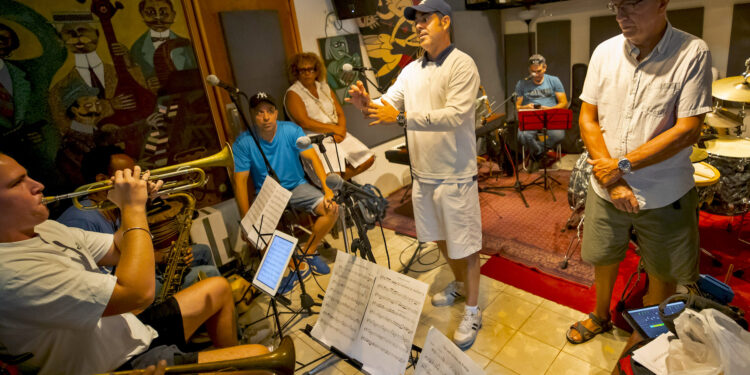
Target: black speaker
[{"x": 346, "y": 9}]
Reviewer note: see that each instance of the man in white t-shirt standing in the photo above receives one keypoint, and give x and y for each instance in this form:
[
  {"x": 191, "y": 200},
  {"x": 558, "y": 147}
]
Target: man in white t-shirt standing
[
  {"x": 645, "y": 96},
  {"x": 434, "y": 98}
]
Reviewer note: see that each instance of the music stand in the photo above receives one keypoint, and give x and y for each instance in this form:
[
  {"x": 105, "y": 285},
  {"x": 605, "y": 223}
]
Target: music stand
[{"x": 544, "y": 120}]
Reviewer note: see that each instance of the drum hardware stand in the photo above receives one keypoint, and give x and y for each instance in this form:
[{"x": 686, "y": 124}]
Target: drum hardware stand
[
  {"x": 577, "y": 239},
  {"x": 517, "y": 186}
]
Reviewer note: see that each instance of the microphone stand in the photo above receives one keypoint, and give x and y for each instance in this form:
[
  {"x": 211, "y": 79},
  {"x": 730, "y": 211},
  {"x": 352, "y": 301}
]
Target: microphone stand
[
  {"x": 367, "y": 78},
  {"x": 517, "y": 186}
]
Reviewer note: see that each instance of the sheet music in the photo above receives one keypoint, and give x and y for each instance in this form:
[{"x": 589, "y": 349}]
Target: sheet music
[
  {"x": 390, "y": 322},
  {"x": 265, "y": 211},
  {"x": 345, "y": 302},
  {"x": 370, "y": 313},
  {"x": 440, "y": 356}
]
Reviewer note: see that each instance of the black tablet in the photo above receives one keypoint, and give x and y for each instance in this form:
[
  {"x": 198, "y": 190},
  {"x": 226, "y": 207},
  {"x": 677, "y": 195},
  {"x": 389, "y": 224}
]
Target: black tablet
[{"x": 646, "y": 320}]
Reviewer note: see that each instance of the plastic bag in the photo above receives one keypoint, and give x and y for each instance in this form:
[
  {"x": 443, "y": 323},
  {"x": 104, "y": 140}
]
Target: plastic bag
[{"x": 709, "y": 343}]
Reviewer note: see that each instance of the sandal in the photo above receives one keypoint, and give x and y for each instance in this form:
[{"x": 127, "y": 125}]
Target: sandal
[{"x": 587, "y": 334}]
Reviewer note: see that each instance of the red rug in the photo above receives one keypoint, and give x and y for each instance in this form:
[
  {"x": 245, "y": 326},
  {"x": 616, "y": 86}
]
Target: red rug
[
  {"x": 530, "y": 236},
  {"x": 714, "y": 237}
]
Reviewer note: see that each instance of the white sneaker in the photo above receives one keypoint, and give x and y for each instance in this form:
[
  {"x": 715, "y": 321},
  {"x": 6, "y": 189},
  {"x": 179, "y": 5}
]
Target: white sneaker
[
  {"x": 449, "y": 295},
  {"x": 467, "y": 331}
]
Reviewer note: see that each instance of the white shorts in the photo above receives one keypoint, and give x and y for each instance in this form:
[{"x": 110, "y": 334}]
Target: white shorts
[{"x": 449, "y": 212}]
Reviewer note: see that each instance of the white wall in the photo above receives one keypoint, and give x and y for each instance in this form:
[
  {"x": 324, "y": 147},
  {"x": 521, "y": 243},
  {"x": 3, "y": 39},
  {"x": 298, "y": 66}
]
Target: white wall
[
  {"x": 311, "y": 19},
  {"x": 717, "y": 24}
]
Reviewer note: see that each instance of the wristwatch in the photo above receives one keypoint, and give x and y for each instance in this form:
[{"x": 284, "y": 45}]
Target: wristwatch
[
  {"x": 624, "y": 165},
  {"x": 401, "y": 118}
]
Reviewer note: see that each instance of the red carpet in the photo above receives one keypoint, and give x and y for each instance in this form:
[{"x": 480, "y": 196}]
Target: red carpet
[
  {"x": 714, "y": 237},
  {"x": 530, "y": 236}
]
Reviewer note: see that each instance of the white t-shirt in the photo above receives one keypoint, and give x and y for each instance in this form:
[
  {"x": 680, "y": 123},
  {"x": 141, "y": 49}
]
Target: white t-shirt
[
  {"x": 637, "y": 101},
  {"x": 438, "y": 97},
  {"x": 51, "y": 304}
]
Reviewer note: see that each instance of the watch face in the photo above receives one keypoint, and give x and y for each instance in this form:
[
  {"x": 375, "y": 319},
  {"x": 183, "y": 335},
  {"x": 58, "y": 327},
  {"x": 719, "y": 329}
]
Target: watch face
[{"x": 624, "y": 165}]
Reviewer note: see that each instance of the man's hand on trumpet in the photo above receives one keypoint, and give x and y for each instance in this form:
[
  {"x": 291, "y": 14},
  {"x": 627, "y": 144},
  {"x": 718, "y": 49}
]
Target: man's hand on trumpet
[{"x": 131, "y": 188}]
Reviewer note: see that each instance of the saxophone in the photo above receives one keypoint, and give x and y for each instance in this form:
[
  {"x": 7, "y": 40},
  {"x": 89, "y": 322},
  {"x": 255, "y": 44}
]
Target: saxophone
[{"x": 175, "y": 265}]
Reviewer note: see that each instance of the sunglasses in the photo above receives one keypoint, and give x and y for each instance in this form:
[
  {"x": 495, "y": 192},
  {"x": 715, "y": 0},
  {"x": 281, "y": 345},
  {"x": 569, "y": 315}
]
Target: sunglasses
[{"x": 307, "y": 70}]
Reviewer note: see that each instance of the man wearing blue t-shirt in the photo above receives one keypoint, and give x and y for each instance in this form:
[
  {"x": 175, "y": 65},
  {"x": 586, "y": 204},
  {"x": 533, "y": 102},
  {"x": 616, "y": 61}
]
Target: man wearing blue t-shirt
[
  {"x": 278, "y": 141},
  {"x": 539, "y": 91}
]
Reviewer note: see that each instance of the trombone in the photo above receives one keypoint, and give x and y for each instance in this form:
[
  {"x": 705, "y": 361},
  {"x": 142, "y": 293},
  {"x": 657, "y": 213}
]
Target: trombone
[{"x": 196, "y": 177}]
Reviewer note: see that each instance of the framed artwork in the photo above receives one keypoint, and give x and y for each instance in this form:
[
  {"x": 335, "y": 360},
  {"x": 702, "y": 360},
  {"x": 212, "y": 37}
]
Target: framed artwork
[
  {"x": 390, "y": 40},
  {"x": 337, "y": 51},
  {"x": 84, "y": 76}
]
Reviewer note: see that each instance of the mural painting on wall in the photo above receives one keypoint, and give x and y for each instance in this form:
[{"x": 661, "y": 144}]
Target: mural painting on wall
[
  {"x": 390, "y": 40},
  {"x": 337, "y": 51},
  {"x": 74, "y": 76}
]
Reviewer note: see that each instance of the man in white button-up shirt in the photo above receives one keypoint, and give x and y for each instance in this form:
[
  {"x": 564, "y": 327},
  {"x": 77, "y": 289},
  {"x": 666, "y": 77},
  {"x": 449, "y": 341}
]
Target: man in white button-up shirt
[
  {"x": 644, "y": 99},
  {"x": 434, "y": 98}
]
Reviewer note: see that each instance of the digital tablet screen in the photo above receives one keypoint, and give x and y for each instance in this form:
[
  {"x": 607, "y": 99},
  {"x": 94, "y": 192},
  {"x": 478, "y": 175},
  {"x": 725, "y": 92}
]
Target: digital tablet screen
[
  {"x": 646, "y": 320},
  {"x": 274, "y": 263}
]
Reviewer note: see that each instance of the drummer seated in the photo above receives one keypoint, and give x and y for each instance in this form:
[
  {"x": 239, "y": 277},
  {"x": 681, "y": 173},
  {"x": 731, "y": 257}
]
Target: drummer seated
[
  {"x": 75, "y": 320},
  {"x": 98, "y": 165}
]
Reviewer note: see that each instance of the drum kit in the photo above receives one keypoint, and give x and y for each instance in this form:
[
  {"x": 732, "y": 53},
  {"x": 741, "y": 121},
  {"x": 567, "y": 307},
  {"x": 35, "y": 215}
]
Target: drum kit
[{"x": 727, "y": 156}]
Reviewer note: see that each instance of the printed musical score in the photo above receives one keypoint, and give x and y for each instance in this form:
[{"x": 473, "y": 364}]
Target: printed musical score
[
  {"x": 263, "y": 216},
  {"x": 371, "y": 313},
  {"x": 440, "y": 356},
  {"x": 346, "y": 300}
]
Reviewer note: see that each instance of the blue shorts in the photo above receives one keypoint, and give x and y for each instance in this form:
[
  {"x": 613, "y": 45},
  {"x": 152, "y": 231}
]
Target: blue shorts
[{"x": 306, "y": 197}]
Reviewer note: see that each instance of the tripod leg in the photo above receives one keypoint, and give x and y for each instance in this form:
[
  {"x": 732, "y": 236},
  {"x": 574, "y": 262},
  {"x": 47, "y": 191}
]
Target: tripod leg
[{"x": 413, "y": 258}]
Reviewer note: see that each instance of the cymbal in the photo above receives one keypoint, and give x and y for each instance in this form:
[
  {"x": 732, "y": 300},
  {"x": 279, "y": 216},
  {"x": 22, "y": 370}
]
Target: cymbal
[
  {"x": 716, "y": 120},
  {"x": 698, "y": 154},
  {"x": 733, "y": 89}
]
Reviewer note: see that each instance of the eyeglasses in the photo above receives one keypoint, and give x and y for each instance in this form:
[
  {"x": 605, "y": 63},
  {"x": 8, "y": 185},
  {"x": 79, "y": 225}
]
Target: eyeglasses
[
  {"x": 625, "y": 6},
  {"x": 307, "y": 70}
]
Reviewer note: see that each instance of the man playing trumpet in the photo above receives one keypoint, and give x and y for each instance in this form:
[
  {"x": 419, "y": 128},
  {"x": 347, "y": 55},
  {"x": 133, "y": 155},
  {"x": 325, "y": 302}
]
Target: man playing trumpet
[{"x": 73, "y": 319}]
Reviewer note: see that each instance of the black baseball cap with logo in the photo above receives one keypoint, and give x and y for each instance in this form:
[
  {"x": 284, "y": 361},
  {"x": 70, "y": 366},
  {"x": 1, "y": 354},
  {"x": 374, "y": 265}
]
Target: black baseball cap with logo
[{"x": 261, "y": 97}]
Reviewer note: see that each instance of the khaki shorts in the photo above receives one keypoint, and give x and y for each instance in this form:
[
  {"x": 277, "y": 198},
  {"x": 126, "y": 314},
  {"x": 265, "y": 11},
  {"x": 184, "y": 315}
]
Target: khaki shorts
[
  {"x": 449, "y": 212},
  {"x": 667, "y": 236}
]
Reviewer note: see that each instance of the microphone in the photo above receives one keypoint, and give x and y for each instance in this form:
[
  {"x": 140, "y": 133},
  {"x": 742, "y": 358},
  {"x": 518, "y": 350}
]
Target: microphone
[
  {"x": 305, "y": 141},
  {"x": 528, "y": 77},
  {"x": 349, "y": 67},
  {"x": 213, "y": 80},
  {"x": 336, "y": 183}
]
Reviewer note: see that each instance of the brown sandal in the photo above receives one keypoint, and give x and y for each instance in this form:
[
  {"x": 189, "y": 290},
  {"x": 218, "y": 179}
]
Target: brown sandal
[{"x": 587, "y": 334}]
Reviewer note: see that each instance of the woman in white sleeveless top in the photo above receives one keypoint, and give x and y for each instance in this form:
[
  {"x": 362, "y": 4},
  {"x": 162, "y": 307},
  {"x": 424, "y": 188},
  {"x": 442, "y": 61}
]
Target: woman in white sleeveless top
[{"x": 312, "y": 105}]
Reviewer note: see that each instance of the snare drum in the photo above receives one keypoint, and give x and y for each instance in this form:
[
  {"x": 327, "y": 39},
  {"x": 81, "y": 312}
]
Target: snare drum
[
  {"x": 579, "y": 182},
  {"x": 706, "y": 182},
  {"x": 731, "y": 156}
]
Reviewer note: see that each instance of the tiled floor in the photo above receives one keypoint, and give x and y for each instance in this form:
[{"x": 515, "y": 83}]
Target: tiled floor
[{"x": 522, "y": 333}]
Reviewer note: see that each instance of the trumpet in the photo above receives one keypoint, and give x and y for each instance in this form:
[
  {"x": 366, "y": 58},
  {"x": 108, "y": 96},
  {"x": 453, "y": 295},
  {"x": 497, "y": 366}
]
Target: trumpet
[{"x": 192, "y": 171}]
